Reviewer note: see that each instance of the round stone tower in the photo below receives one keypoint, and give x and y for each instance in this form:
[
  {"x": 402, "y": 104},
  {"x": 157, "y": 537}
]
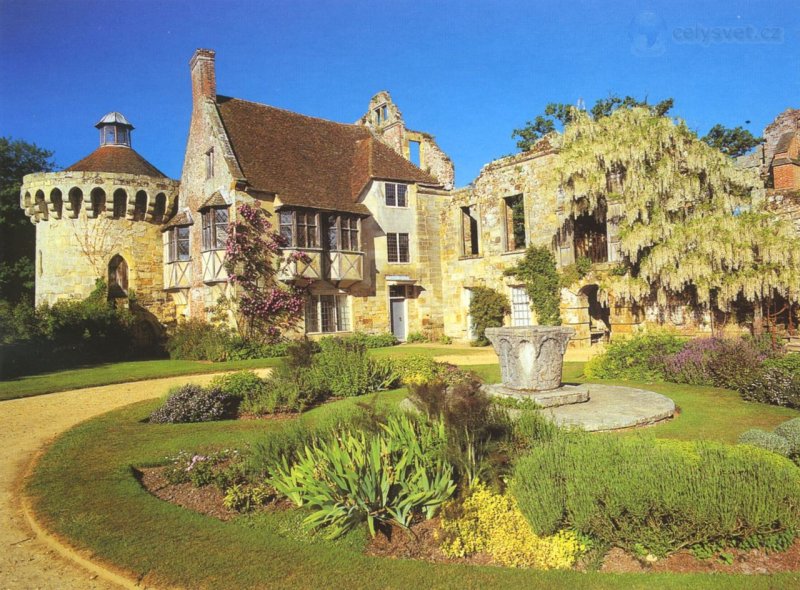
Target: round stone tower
[{"x": 101, "y": 219}]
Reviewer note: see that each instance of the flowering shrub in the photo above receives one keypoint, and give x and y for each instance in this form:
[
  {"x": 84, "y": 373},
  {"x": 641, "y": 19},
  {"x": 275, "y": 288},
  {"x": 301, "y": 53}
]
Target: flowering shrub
[
  {"x": 773, "y": 385},
  {"x": 722, "y": 362},
  {"x": 253, "y": 259},
  {"x": 494, "y": 523},
  {"x": 192, "y": 403},
  {"x": 201, "y": 469}
]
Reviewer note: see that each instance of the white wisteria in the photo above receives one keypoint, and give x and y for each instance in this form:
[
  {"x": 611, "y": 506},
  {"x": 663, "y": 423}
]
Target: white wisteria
[{"x": 691, "y": 222}]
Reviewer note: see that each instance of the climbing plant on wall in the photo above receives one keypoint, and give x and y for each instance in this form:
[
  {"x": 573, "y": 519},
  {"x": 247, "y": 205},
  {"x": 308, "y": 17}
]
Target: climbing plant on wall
[
  {"x": 264, "y": 307},
  {"x": 537, "y": 271},
  {"x": 487, "y": 308},
  {"x": 691, "y": 223}
]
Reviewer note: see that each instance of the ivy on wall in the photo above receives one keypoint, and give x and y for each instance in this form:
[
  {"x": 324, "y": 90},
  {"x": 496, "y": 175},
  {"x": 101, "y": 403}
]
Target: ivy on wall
[{"x": 537, "y": 271}]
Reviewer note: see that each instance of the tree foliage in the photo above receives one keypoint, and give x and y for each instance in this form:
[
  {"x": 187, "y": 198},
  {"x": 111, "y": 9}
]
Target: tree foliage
[
  {"x": 733, "y": 142},
  {"x": 556, "y": 115},
  {"x": 537, "y": 271},
  {"x": 691, "y": 223},
  {"x": 253, "y": 261},
  {"x": 487, "y": 308},
  {"x": 17, "y": 233}
]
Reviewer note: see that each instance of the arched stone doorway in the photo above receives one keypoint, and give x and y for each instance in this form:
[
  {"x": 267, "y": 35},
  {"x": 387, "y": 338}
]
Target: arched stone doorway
[
  {"x": 117, "y": 277},
  {"x": 599, "y": 315}
]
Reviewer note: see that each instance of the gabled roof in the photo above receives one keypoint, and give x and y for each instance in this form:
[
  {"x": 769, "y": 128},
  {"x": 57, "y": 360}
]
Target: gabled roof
[
  {"x": 784, "y": 142},
  {"x": 116, "y": 159},
  {"x": 310, "y": 162}
]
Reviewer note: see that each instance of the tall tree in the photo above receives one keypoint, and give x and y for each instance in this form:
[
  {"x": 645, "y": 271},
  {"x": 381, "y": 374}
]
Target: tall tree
[
  {"x": 734, "y": 142},
  {"x": 558, "y": 114},
  {"x": 691, "y": 225},
  {"x": 17, "y": 233}
]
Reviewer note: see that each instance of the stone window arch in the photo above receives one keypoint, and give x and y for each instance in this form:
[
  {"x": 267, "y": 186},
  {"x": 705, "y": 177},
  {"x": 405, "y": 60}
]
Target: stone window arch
[
  {"x": 117, "y": 277},
  {"x": 140, "y": 206},
  {"x": 57, "y": 199},
  {"x": 41, "y": 206},
  {"x": 120, "y": 203},
  {"x": 75, "y": 200},
  {"x": 98, "y": 200},
  {"x": 26, "y": 200},
  {"x": 160, "y": 208}
]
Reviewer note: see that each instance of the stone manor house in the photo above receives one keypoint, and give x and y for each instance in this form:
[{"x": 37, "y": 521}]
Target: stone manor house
[{"x": 393, "y": 245}]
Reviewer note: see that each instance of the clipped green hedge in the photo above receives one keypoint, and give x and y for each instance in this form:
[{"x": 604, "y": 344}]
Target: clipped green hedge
[{"x": 644, "y": 494}]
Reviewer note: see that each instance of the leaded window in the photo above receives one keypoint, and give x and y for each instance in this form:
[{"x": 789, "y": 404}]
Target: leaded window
[
  {"x": 396, "y": 194},
  {"x": 520, "y": 307},
  {"x": 215, "y": 228},
  {"x": 178, "y": 243},
  {"x": 397, "y": 245},
  {"x": 327, "y": 313}
]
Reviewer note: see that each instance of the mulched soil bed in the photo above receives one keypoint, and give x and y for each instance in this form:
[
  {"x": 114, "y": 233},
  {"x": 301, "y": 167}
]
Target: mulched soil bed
[
  {"x": 205, "y": 500},
  {"x": 421, "y": 541}
]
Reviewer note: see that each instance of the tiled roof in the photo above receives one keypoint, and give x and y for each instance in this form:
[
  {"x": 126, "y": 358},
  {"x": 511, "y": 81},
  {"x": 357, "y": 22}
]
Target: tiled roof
[
  {"x": 307, "y": 161},
  {"x": 182, "y": 218},
  {"x": 215, "y": 200},
  {"x": 116, "y": 159}
]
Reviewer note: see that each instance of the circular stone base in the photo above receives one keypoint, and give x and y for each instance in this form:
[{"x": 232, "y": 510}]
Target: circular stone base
[
  {"x": 566, "y": 394},
  {"x": 612, "y": 407}
]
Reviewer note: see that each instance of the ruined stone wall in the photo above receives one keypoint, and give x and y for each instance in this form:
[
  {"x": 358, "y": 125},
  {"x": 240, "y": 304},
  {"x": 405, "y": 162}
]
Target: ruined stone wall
[
  {"x": 392, "y": 131},
  {"x": 788, "y": 120},
  {"x": 460, "y": 271}
]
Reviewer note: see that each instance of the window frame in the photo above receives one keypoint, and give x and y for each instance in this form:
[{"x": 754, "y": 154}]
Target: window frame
[
  {"x": 210, "y": 234},
  {"x": 294, "y": 227},
  {"x": 393, "y": 254},
  {"x": 510, "y": 230},
  {"x": 338, "y": 309},
  {"x": 467, "y": 212},
  {"x": 174, "y": 239},
  {"x": 395, "y": 195},
  {"x": 518, "y": 298}
]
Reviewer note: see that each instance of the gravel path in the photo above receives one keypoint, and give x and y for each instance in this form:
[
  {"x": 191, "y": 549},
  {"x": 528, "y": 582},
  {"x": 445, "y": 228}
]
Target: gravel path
[{"x": 27, "y": 425}]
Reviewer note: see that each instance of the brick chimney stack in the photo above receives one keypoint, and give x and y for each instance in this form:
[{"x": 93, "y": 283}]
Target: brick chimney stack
[{"x": 204, "y": 80}]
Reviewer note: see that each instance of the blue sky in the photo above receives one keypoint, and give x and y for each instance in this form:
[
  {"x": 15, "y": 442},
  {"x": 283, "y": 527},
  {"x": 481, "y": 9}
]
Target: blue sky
[{"x": 468, "y": 72}]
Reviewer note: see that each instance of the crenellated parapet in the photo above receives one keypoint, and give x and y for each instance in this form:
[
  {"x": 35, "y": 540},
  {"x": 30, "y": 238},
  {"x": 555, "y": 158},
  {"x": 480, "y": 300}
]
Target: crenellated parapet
[{"x": 46, "y": 196}]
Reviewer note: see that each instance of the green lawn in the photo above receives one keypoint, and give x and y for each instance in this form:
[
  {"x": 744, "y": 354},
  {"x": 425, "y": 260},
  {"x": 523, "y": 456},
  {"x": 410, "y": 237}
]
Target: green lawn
[
  {"x": 110, "y": 373},
  {"x": 85, "y": 491}
]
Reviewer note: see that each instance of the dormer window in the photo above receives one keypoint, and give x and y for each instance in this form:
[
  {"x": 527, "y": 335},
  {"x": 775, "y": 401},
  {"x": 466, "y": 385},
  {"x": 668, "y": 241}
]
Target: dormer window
[
  {"x": 396, "y": 194},
  {"x": 115, "y": 130}
]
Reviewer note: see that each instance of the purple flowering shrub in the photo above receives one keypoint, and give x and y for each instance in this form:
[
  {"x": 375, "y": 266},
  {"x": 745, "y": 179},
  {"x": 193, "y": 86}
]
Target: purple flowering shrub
[
  {"x": 721, "y": 362},
  {"x": 223, "y": 468},
  {"x": 192, "y": 403}
]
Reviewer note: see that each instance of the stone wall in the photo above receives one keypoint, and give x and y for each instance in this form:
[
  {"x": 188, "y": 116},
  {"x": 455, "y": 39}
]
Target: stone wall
[{"x": 75, "y": 245}]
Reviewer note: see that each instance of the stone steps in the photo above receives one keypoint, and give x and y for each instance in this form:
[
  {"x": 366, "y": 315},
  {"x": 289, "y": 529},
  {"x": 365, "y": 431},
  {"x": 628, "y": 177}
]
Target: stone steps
[{"x": 793, "y": 344}]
